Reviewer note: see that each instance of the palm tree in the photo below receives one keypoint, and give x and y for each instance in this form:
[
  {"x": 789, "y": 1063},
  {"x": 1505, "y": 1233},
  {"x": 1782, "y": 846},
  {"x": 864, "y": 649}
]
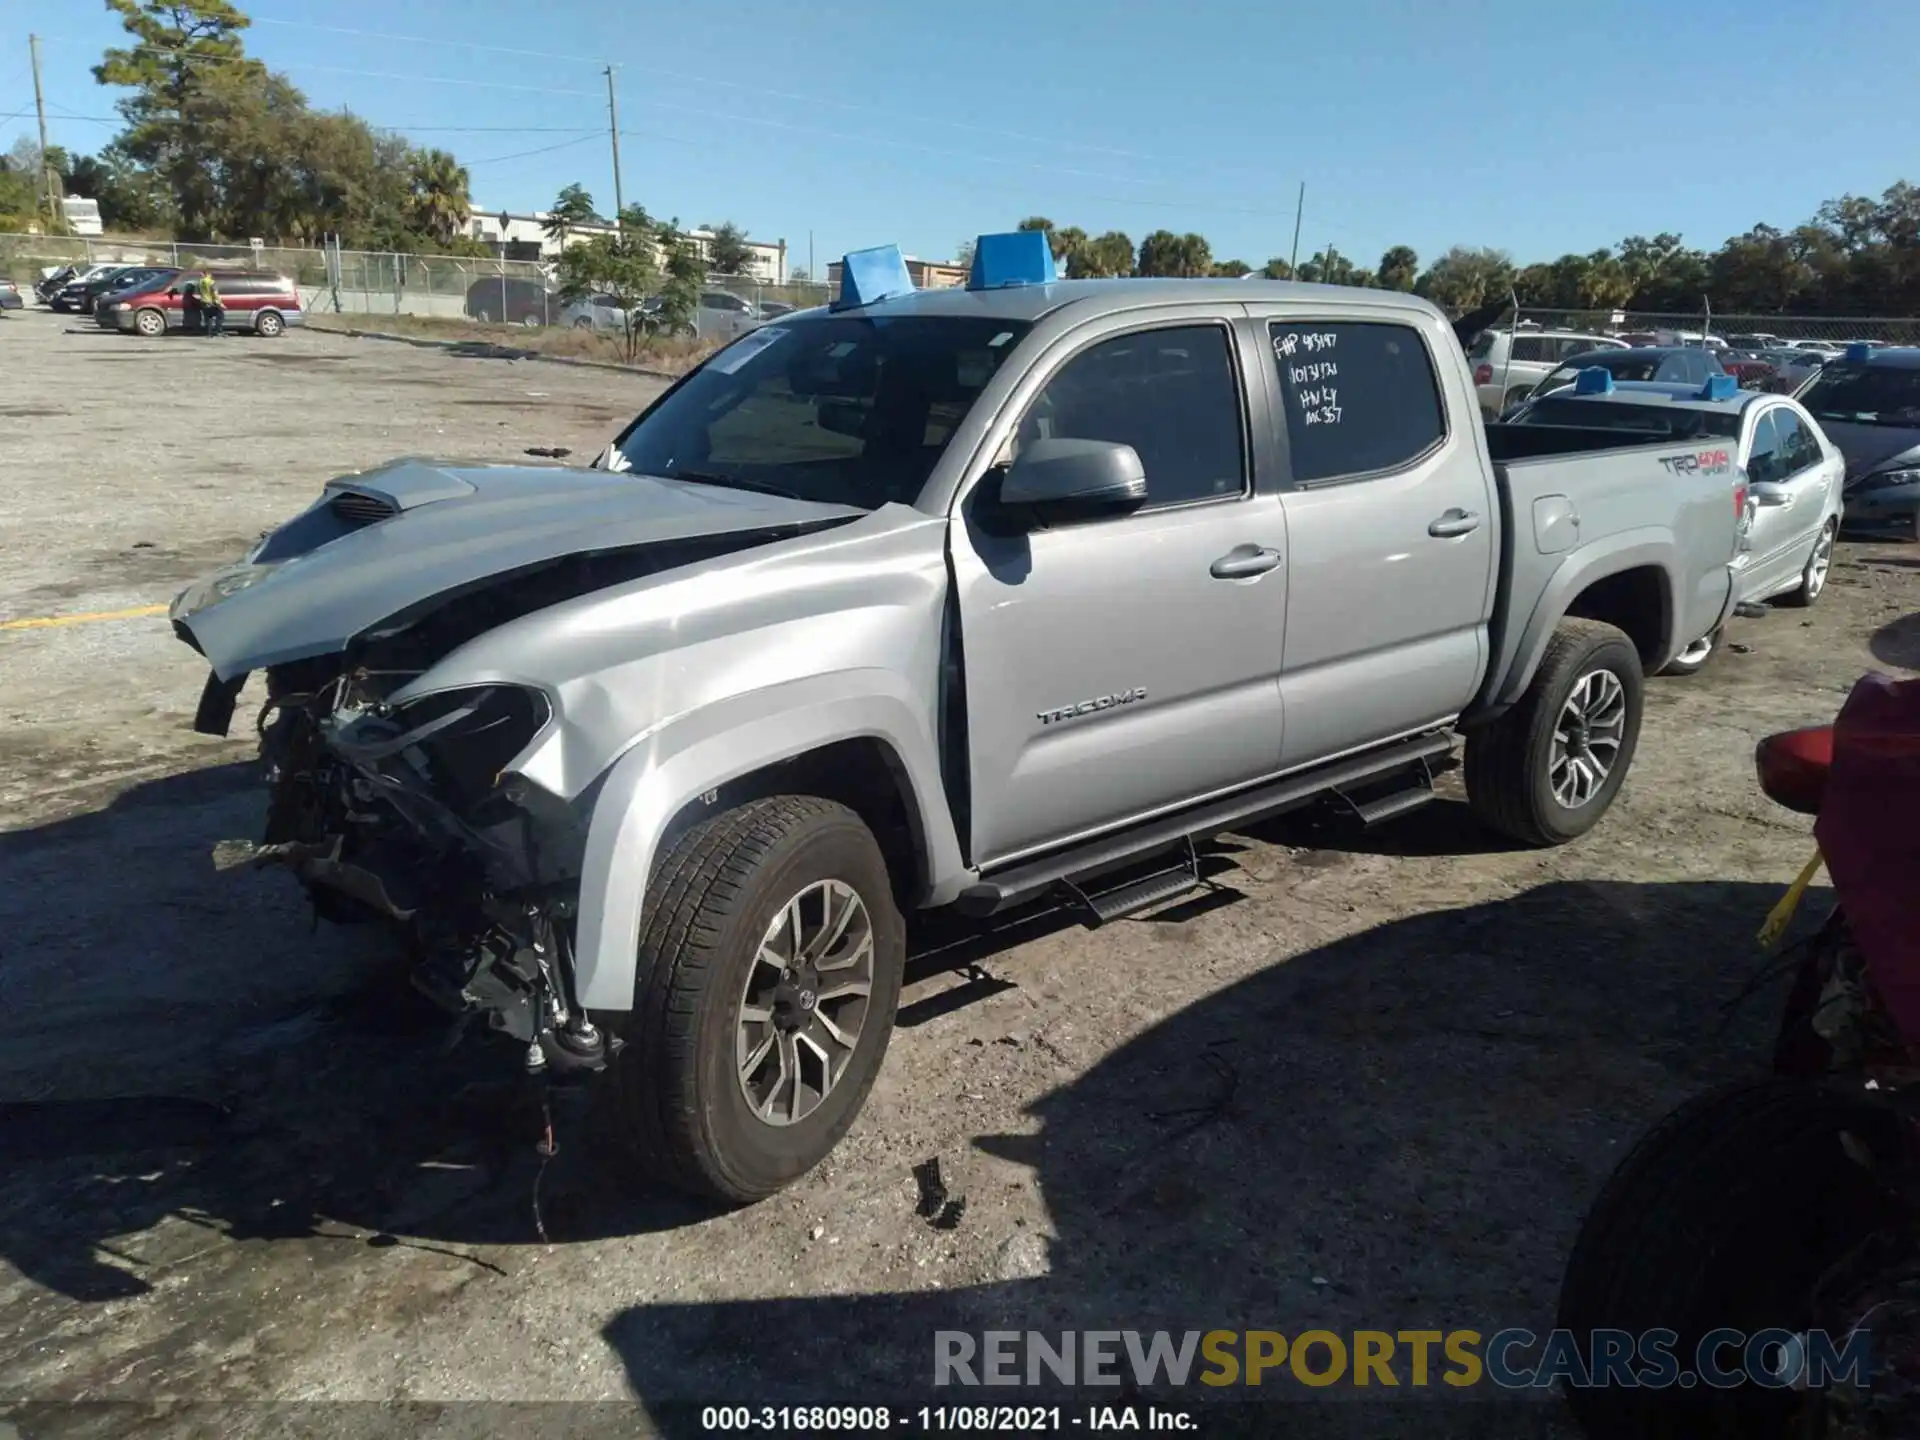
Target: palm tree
[{"x": 440, "y": 202}]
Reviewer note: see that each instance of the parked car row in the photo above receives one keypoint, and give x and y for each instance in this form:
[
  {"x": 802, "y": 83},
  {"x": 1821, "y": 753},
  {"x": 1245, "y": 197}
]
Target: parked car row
[
  {"x": 153, "y": 300},
  {"x": 719, "y": 315}
]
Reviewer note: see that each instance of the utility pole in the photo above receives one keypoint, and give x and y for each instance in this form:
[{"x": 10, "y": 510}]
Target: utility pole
[
  {"x": 613, "y": 130},
  {"x": 40, "y": 108},
  {"x": 1299, "y": 209}
]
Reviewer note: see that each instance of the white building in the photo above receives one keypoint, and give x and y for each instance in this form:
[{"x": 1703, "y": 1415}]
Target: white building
[{"x": 524, "y": 237}]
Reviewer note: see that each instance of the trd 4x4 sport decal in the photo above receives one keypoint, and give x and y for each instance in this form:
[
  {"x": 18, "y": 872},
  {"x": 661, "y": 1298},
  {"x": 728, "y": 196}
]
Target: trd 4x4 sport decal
[{"x": 1705, "y": 462}]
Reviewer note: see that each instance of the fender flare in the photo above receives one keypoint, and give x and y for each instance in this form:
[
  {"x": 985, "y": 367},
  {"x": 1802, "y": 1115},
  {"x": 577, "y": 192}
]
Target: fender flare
[
  {"x": 702, "y": 750},
  {"x": 1629, "y": 550}
]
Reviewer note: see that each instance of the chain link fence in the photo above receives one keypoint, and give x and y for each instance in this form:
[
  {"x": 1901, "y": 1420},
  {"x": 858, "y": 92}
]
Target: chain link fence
[{"x": 372, "y": 283}]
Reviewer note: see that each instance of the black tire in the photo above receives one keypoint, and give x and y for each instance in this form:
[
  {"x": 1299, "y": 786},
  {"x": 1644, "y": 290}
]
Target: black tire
[
  {"x": 1678, "y": 666},
  {"x": 709, "y": 904},
  {"x": 1814, "y": 575},
  {"x": 1725, "y": 1214},
  {"x": 150, "y": 322},
  {"x": 1508, "y": 763},
  {"x": 268, "y": 323},
  {"x": 482, "y": 315}
]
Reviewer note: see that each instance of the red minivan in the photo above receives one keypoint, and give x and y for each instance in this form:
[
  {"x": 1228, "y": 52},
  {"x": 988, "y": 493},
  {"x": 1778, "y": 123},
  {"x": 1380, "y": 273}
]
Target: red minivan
[{"x": 263, "y": 304}]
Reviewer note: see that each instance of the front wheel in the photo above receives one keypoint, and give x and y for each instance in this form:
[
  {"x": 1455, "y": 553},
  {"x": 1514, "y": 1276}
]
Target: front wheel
[
  {"x": 150, "y": 323},
  {"x": 1546, "y": 771},
  {"x": 1813, "y": 577},
  {"x": 770, "y": 967},
  {"x": 583, "y": 323}
]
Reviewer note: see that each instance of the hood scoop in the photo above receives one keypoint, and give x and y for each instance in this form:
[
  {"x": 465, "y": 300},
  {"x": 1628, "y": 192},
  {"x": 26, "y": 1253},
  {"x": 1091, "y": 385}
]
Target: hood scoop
[{"x": 356, "y": 507}]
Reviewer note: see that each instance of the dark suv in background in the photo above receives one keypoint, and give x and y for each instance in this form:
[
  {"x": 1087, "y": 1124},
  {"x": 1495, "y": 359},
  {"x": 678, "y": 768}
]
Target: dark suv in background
[{"x": 501, "y": 298}]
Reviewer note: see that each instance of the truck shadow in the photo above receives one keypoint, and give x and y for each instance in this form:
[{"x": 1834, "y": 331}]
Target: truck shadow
[
  {"x": 180, "y": 1053},
  {"x": 1897, "y": 643},
  {"x": 1398, "y": 1130}
]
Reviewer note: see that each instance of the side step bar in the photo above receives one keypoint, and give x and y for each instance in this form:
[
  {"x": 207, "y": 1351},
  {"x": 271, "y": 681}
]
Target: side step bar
[{"x": 1031, "y": 880}]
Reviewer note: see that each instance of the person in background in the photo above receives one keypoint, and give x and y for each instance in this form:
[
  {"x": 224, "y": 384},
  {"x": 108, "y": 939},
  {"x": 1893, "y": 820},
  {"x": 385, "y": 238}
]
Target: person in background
[
  {"x": 190, "y": 316},
  {"x": 210, "y": 306}
]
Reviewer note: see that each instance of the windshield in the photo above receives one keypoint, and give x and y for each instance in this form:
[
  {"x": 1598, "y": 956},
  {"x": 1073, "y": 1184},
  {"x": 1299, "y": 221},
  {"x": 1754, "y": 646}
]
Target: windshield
[
  {"x": 845, "y": 409},
  {"x": 1662, "y": 420},
  {"x": 1865, "y": 394}
]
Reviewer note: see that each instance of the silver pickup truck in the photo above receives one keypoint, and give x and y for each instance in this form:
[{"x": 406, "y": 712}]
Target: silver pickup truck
[{"x": 972, "y": 598}]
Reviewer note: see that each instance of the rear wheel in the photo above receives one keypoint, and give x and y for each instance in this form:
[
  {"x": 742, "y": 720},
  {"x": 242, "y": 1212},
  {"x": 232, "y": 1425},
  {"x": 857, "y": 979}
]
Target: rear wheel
[
  {"x": 268, "y": 323},
  {"x": 150, "y": 323},
  {"x": 583, "y": 323},
  {"x": 1813, "y": 578},
  {"x": 1546, "y": 771},
  {"x": 1727, "y": 1213},
  {"x": 770, "y": 968},
  {"x": 483, "y": 315}
]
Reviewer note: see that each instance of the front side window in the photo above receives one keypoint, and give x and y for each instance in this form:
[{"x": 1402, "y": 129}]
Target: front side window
[
  {"x": 1170, "y": 394},
  {"x": 842, "y": 409},
  {"x": 1763, "y": 456},
  {"x": 1798, "y": 449},
  {"x": 1360, "y": 397}
]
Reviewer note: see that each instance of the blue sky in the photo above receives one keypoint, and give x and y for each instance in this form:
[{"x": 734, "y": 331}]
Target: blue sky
[{"x": 1537, "y": 127}]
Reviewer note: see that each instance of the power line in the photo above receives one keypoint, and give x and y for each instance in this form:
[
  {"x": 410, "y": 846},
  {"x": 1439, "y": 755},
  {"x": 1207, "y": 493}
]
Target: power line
[
  {"x": 1051, "y": 140},
  {"x": 580, "y": 139}
]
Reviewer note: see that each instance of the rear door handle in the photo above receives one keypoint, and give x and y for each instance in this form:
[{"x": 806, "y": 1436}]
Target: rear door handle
[
  {"x": 1244, "y": 562},
  {"x": 1454, "y": 522}
]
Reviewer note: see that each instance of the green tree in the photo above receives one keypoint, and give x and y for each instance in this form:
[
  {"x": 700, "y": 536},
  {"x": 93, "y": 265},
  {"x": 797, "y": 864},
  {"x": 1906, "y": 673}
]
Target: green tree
[
  {"x": 1466, "y": 277},
  {"x": 571, "y": 208},
  {"x": 440, "y": 201},
  {"x": 1232, "y": 269},
  {"x": 728, "y": 252},
  {"x": 623, "y": 264},
  {"x": 1399, "y": 268},
  {"x": 1106, "y": 255},
  {"x": 1277, "y": 269},
  {"x": 963, "y": 254},
  {"x": 131, "y": 198},
  {"x": 1160, "y": 254},
  {"x": 186, "y": 67}
]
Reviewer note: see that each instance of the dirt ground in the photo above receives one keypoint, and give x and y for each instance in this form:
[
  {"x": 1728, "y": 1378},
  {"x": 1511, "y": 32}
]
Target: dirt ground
[{"x": 1371, "y": 1081}]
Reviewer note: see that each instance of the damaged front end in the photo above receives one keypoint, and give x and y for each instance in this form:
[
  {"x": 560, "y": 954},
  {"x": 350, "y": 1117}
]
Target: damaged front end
[{"x": 403, "y": 811}]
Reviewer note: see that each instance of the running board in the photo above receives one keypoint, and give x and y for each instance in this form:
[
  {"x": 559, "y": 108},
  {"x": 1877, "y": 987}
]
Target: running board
[
  {"x": 1417, "y": 791},
  {"x": 1182, "y": 878},
  {"x": 1019, "y": 884}
]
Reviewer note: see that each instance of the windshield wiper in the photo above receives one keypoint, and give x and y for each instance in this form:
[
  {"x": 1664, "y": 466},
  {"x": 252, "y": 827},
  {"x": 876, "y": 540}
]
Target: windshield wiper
[{"x": 733, "y": 482}]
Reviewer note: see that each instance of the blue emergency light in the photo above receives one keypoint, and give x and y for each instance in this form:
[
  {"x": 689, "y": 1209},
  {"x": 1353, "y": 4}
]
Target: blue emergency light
[
  {"x": 1594, "y": 380},
  {"x": 870, "y": 275},
  {"x": 1022, "y": 257},
  {"x": 1720, "y": 387},
  {"x": 1858, "y": 352}
]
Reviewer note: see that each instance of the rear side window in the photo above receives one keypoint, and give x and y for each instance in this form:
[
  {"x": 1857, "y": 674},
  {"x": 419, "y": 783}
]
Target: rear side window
[
  {"x": 1531, "y": 347},
  {"x": 1482, "y": 346},
  {"x": 1359, "y": 396}
]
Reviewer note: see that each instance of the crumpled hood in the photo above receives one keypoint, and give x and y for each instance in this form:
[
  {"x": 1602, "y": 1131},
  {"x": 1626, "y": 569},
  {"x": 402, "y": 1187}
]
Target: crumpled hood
[
  {"x": 314, "y": 584},
  {"x": 1872, "y": 448}
]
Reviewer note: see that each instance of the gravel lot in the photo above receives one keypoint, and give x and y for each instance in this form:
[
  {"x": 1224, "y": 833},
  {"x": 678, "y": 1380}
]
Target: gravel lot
[{"x": 1370, "y": 1082}]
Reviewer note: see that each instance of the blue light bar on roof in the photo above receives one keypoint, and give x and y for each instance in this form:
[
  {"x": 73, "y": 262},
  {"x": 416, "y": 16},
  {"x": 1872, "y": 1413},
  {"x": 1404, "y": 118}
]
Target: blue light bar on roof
[
  {"x": 1594, "y": 380},
  {"x": 1858, "y": 352},
  {"x": 1022, "y": 257},
  {"x": 870, "y": 275},
  {"x": 1720, "y": 387}
]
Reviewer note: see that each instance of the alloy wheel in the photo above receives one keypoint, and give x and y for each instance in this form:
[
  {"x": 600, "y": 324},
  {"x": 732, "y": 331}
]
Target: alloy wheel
[
  {"x": 805, "y": 1002},
  {"x": 1587, "y": 738}
]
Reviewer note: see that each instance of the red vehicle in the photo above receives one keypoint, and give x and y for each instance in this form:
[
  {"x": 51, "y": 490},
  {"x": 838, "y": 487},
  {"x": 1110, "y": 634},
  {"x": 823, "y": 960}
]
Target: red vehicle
[{"x": 263, "y": 304}]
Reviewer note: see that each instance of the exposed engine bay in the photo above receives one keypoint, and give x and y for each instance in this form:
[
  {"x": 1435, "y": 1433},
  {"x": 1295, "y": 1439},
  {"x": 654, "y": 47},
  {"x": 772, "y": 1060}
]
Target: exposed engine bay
[{"x": 402, "y": 811}]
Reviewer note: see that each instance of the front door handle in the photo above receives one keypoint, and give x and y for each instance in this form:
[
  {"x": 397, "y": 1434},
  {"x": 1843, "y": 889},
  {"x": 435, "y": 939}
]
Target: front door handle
[
  {"x": 1454, "y": 522},
  {"x": 1243, "y": 562}
]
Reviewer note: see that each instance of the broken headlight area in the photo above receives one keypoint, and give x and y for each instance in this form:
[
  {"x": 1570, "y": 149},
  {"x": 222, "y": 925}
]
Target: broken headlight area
[{"x": 405, "y": 813}]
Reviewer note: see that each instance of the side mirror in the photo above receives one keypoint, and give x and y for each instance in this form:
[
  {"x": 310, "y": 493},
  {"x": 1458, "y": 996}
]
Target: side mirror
[
  {"x": 1077, "y": 476},
  {"x": 1770, "y": 496}
]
